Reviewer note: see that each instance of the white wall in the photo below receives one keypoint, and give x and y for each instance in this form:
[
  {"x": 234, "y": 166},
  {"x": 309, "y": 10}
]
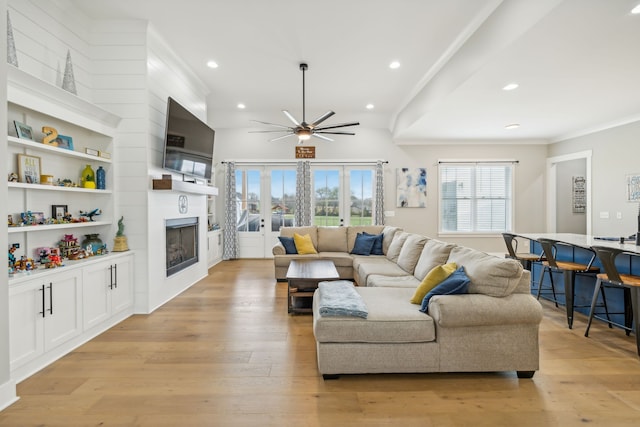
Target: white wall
[
  {"x": 373, "y": 144},
  {"x": 7, "y": 387},
  {"x": 615, "y": 155}
]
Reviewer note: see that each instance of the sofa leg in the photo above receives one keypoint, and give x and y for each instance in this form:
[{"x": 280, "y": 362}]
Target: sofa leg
[
  {"x": 330, "y": 376},
  {"x": 525, "y": 374}
]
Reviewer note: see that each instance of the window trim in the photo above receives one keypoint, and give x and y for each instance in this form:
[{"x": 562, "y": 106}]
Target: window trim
[{"x": 496, "y": 162}]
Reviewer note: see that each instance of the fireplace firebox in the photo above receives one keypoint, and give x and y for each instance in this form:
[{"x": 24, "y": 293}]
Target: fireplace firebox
[{"x": 182, "y": 243}]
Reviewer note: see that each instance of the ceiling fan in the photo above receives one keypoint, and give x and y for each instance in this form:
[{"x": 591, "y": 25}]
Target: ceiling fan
[{"x": 304, "y": 130}]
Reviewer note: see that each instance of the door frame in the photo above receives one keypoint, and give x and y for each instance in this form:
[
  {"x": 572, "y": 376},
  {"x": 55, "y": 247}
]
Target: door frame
[{"x": 552, "y": 163}]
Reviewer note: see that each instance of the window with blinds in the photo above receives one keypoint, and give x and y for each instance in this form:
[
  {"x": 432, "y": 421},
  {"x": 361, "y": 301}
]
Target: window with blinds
[{"x": 476, "y": 197}]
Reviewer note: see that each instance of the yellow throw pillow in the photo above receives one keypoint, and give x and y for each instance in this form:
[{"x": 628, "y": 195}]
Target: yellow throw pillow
[
  {"x": 433, "y": 278},
  {"x": 304, "y": 244}
]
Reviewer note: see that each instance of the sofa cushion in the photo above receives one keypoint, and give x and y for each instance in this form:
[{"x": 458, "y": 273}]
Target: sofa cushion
[
  {"x": 304, "y": 244},
  {"x": 396, "y": 245},
  {"x": 340, "y": 259},
  {"x": 410, "y": 252},
  {"x": 289, "y": 245},
  {"x": 391, "y": 319},
  {"x": 332, "y": 239},
  {"x": 388, "y": 233},
  {"x": 352, "y": 233},
  {"x": 456, "y": 283},
  {"x": 380, "y": 280},
  {"x": 311, "y": 231},
  {"x": 434, "y": 253},
  {"x": 490, "y": 275},
  {"x": 377, "y": 244},
  {"x": 431, "y": 280},
  {"x": 364, "y": 244},
  {"x": 383, "y": 268}
]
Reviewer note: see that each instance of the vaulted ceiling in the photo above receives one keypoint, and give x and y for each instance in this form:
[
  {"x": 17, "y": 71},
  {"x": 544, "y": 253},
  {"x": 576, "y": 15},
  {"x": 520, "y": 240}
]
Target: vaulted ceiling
[{"x": 576, "y": 62}]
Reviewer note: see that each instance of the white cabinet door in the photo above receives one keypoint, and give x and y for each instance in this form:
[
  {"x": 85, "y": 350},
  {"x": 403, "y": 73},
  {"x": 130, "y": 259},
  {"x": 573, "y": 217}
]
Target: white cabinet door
[
  {"x": 63, "y": 315},
  {"x": 43, "y": 313},
  {"x": 96, "y": 299},
  {"x": 122, "y": 288},
  {"x": 214, "y": 247},
  {"x": 107, "y": 289},
  {"x": 26, "y": 322}
]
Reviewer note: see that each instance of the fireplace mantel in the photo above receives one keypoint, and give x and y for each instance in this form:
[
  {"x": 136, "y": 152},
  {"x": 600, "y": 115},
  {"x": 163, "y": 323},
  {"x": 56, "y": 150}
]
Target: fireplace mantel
[{"x": 184, "y": 187}]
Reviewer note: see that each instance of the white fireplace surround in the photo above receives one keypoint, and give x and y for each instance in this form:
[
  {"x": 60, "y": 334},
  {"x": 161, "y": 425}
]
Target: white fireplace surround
[{"x": 170, "y": 205}]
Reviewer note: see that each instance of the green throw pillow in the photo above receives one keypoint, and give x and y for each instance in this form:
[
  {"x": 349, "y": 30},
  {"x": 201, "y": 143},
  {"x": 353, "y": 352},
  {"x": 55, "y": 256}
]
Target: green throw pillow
[{"x": 431, "y": 280}]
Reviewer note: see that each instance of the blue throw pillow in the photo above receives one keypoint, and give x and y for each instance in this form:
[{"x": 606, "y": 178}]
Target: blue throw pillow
[
  {"x": 289, "y": 245},
  {"x": 377, "y": 246},
  {"x": 363, "y": 244},
  {"x": 457, "y": 283}
]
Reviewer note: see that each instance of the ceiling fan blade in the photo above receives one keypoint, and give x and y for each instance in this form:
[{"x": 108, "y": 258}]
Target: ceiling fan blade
[
  {"x": 272, "y": 124},
  {"x": 322, "y": 137},
  {"x": 281, "y": 137},
  {"x": 269, "y": 131},
  {"x": 334, "y": 133},
  {"x": 321, "y": 119},
  {"x": 340, "y": 125},
  {"x": 290, "y": 117}
]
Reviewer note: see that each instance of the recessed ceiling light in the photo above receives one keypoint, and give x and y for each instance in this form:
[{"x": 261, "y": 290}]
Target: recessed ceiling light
[
  {"x": 212, "y": 64},
  {"x": 369, "y": 106},
  {"x": 511, "y": 86},
  {"x": 241, "y": 106},
  {"x": 512, "y": 126},
  {"x": 394, "y": 65},
  {"x": 636, "y": 10}
]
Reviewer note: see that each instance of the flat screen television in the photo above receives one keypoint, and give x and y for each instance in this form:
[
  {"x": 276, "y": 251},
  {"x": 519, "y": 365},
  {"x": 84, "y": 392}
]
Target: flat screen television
[{"x": 188, "y": 143}]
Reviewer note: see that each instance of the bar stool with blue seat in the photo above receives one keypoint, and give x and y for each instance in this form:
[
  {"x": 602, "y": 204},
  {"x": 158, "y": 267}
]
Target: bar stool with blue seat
[
  {"x": 612, "y": 278},
  {"x": 569, "y": 270}
]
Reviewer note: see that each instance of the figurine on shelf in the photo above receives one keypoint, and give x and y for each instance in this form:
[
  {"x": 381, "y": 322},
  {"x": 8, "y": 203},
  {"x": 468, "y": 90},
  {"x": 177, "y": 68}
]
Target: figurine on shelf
[
  {"x": 13, "y": 177},
  {"x": 120, "y": 241},
  {"x": 91, "y": 214},
  {"x": 12, "y": 257}
]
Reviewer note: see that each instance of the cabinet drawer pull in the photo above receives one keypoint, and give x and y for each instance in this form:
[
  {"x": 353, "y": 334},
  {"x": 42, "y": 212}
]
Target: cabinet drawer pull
[
  {"x": 43, "y": 309},
  {"x": 51, "y": 297}
]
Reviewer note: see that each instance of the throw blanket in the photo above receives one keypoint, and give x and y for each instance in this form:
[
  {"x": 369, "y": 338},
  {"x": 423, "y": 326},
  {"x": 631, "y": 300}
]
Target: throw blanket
[{"x": 340, "y": 298}]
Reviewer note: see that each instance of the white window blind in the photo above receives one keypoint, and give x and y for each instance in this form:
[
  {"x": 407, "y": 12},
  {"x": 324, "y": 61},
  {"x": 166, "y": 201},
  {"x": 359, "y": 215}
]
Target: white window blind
[{"x": 476, "y": 197}]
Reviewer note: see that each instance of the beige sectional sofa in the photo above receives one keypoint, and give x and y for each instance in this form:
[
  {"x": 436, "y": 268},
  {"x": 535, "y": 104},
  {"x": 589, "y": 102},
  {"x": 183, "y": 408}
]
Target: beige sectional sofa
[{"x": 493, "y": 327}]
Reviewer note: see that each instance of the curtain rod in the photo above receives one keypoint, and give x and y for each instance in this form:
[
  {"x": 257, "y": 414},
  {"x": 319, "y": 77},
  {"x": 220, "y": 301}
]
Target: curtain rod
[
  {"x": 293, "y": 162},
  {"x": 476, "y": 162}
]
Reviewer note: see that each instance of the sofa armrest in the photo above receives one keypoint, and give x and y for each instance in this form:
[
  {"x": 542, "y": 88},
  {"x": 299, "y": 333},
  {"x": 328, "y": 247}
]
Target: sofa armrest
[
  {"x": 278, "y": 249},
  {"x": 452, "y": 311}
]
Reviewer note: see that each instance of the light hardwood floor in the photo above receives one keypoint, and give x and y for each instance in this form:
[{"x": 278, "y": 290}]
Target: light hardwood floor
[{"x": 226, "y": 353}]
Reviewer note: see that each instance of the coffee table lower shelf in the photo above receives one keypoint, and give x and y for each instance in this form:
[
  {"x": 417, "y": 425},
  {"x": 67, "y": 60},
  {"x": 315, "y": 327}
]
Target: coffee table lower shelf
[{"x": 303, "y": 277}]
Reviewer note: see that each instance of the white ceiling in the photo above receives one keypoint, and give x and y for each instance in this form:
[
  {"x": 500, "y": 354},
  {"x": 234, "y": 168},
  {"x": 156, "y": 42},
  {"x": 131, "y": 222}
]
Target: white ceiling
[{"x": 576, "y": 61}]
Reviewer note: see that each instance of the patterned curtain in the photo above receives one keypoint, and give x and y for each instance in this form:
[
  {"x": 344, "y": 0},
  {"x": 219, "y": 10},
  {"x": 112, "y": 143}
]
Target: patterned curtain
[
  {"x": 378, "y": 215},
  {"x": 303, "y": 194},
  {"x": 230, "y": 241}
]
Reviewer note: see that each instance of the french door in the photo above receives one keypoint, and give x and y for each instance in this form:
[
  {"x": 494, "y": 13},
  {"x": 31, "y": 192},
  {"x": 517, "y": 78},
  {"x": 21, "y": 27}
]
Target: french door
[
  {"x": 342, "y": 195},
  {"x": 265, "y": 201}
]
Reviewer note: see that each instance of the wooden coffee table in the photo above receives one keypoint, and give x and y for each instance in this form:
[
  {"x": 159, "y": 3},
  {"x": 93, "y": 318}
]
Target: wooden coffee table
[{"x": 303, "y": 277}]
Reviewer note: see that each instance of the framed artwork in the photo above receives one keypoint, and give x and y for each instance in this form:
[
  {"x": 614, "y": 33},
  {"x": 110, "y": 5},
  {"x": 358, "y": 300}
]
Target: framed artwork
[
  {"x": 411, "y": 187},
  {"x": 29, "y": 169},
  {"x": 579, "y": 196},
  {"x": 58, "y": 211},
  {"x": 23, "y": 131},
  {"x": 65, "y": 142},
  {"x": 633, "y": 188}
]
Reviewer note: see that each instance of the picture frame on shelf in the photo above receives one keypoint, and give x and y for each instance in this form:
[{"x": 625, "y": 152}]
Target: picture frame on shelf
[
  {"x": 91, "y": 151},
  {"x": 23, "y": 131},
  {"x": 29, "y": 169},
  {"x": 58, "y": 211},
  {"x": 65, "y": 142}
]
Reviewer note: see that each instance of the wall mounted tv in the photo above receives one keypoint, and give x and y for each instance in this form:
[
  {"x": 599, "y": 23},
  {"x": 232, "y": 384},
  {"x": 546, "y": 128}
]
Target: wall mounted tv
[{"x": 188, "y": 143}]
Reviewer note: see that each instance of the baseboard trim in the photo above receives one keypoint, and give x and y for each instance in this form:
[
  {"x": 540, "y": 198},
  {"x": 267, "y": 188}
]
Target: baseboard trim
[{"x": 8, "y": 394}]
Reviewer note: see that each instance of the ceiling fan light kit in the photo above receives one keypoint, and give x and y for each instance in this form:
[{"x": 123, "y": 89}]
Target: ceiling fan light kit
[{"x": 303, "y": 130}]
